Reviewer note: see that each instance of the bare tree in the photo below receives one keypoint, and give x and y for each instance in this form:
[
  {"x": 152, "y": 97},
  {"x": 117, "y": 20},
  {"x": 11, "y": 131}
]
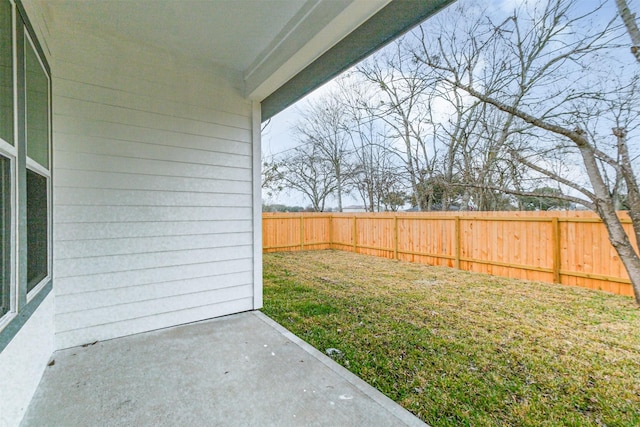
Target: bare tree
[
  {"x": 322, "y": 124},
  {"x": 271, "y": 175},
  {"x": 403, "y": 106},
  {"x": 449, "y": 142},
  {"x": 375, "y": 173},
  {"x": 554, "y": 72},
  {"x": 306, "y": 170},
  {"x": 457, "y": 133}
]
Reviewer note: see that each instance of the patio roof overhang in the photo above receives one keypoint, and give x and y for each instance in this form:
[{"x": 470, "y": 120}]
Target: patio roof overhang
[
  {"x": 283, "y": 49},
  {"x": 394, "y": 19}
]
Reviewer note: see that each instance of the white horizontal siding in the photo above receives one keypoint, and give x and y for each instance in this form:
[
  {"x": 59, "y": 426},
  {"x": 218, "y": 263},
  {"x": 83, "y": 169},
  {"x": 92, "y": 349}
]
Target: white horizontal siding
[
  {"x": 135, "y": 69},
  {"x": 110, "y": 247},
  {"x": 115, "y": 133},
  {"x": 102, "y": 214},
  {"x": 146, "y": 260},
  {"x": 115, "y": 231},
  {"x": 150, "y": 151},
  {"x": 69, "y": 107},
  {"x": 153, "y": 194},
  {"x": 149, "y": 276},
  {"x": 79, "y": 178},
  {"x": 151, "y": 306},
  {"x": 75, "y": 303},
  {"x": 128, "y": 165},
  {"x": 111, "y": 197},
  {"x": 155, "y": 321},
  {"x": 74, "y": 89}
]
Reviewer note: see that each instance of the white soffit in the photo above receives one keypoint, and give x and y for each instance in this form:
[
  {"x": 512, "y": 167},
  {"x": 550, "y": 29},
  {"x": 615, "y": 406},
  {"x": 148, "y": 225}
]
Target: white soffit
[
  {"x": 225, "y": 32},
  {"x": 267, "y": 41},
  {"x": 276, "y": 68}
]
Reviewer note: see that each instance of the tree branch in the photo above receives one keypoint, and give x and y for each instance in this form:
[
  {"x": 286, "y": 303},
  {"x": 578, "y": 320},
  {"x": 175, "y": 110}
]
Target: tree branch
[
  {"x": 566, "y": 197},
  {"x": 629, "y": 20}
]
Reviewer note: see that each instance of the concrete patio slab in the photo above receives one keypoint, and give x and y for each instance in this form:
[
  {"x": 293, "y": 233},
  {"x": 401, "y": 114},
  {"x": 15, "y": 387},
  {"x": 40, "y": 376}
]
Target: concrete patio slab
[{"x": 240, "y": 370}]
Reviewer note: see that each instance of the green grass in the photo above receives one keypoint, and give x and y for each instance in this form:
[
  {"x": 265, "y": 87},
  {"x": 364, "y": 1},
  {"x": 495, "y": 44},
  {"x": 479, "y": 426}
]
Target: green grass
[{"x": 458, "y": 348}]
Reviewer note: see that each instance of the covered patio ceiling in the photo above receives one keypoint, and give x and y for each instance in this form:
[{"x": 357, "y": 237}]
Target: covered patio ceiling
[{"x": 283, "y": 49}]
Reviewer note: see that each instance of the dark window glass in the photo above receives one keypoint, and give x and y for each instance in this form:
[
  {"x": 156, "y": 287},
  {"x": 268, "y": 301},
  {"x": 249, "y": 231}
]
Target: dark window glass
[
  {"x": 37, "y": 108},
  {"x": 37, "y": 238},
  {"x": 6, "y": 73},
  {"x": 5, "y": 235}
]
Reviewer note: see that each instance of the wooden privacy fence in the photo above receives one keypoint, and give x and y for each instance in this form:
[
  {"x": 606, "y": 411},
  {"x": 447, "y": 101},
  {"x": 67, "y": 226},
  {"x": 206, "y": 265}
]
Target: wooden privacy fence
[{"x": 571, "y": 248}]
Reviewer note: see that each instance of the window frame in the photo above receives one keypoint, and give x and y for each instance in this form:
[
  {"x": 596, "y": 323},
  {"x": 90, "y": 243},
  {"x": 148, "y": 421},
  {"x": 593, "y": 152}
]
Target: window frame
[
  {"x": 10, "y": 151},
  {"x": 11, "y": 313}
]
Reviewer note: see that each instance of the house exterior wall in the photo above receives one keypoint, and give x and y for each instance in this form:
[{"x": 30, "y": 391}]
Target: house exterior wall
[
  {"x": 153, "y": 190},
  {"x": 23, "y": 361}
]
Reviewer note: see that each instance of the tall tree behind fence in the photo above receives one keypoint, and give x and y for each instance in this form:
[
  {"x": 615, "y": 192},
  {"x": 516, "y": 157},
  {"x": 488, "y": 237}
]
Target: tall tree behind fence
[{"x": 571, "y": 248}]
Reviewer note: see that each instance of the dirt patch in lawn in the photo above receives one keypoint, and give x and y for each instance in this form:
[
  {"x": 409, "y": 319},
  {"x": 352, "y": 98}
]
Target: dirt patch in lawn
[{"x": 458, "y": 348}]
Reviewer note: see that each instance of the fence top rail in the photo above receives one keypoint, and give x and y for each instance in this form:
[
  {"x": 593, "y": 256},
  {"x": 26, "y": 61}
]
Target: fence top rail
[
  {"x": 623, "y": 220},
  {"x": 269, "y": 215},
  {"x": 560, "y": 214},
  {"x": 448, "y": 218},
  {"x": 517, "y": 216}
]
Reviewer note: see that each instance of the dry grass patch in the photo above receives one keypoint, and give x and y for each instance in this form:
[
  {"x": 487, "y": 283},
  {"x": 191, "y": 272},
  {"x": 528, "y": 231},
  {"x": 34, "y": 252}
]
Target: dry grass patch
[{"x": 457, "y": 348}]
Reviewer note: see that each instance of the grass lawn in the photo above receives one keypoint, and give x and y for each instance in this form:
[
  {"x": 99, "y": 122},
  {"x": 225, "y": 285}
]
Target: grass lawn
[{"x": 457, "y": 348}]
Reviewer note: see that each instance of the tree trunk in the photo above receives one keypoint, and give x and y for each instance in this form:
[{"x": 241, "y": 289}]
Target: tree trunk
[
  {"x": 466, "y": 198},
  {"x": 445, "y": 199},
  {"x": 629, "y": 20},
  {"x": 339, "y": 191},
  {"x": 605, "y": 209},
  {"x": 620, "y": 241},
  {"x": 410, "y": 166}
]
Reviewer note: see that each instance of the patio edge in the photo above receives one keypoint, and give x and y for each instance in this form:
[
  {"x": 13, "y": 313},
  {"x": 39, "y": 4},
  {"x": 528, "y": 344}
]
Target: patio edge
[{"x": 389, "y": 405}]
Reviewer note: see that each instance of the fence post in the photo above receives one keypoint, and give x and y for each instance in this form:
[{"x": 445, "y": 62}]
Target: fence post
[
  {"x": 355, "y": 235},
  {"x": 458, "y": 242},
  {"x": 330, "y": 231},
  {"x": 395, "y": 236},
  {"x": 301, "y": 232},
  {"x": 555, "y": 225}
]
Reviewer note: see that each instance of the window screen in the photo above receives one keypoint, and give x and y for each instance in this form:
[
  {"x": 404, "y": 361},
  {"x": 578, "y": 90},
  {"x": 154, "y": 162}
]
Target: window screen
[
  {"x": 37, "y": 238},
  {"x": 37, "y": 108}
]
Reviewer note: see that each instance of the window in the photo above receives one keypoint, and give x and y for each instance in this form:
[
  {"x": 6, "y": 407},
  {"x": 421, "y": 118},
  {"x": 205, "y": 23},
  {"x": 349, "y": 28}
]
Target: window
[
  {"x": 37, "y": 229},
  {"x": 37, "y": 105},
  {"x": 25, "y": 175},
  {"x": 37, "y": 140}
]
